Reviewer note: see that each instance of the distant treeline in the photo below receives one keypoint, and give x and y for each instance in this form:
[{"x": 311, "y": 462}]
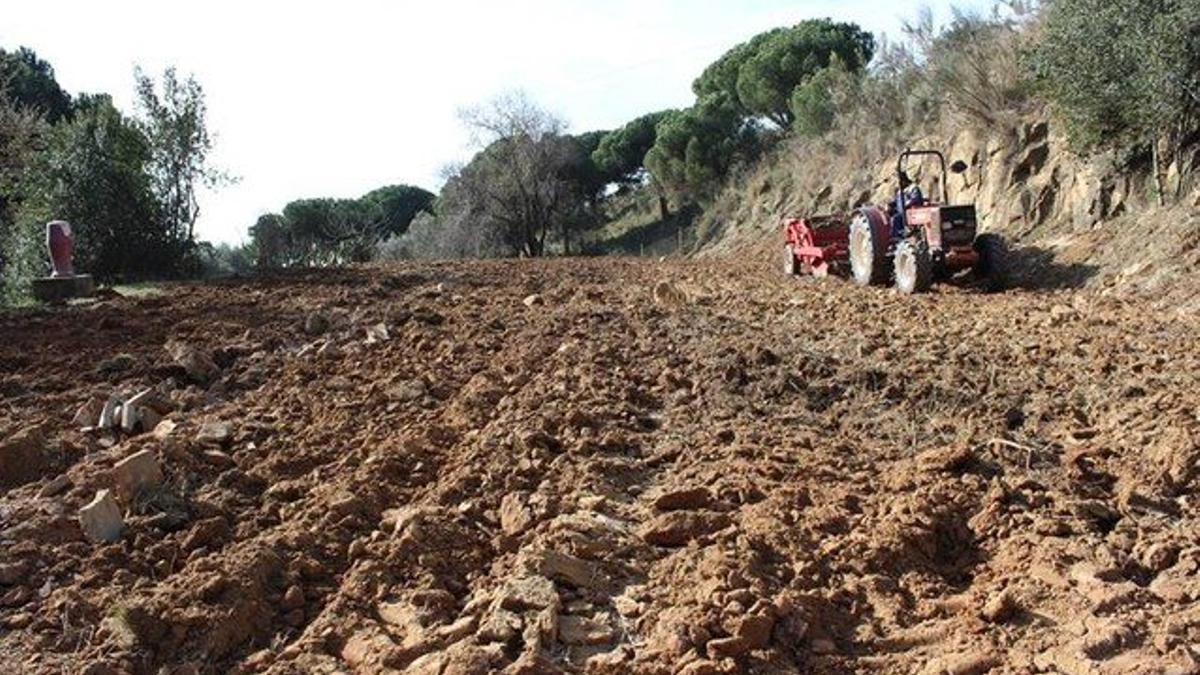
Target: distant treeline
[{"x": 533, "y": 188}]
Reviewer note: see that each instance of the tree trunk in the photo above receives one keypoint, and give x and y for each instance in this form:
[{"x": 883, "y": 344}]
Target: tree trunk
[
  {"x": 664, "y": 205},
  {"x": 1160, "y": 186},
  {"x": 1177, "y": 139}
]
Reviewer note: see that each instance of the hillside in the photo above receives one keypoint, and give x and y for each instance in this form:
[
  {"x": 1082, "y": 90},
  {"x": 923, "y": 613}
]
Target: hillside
[{"x": 1073, "y": 221}]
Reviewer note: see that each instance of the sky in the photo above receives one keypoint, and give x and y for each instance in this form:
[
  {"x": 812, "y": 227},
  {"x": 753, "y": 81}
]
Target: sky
[{"x": 334, "y": 99}]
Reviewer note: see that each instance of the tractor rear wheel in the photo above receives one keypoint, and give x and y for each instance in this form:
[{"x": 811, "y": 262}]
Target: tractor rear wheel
[
  {"x": 868, "y": 252},
  {"x": 992, "y": 266},
  {"x": 914, "y": 267},
  {"x": 791, "y": 266}
]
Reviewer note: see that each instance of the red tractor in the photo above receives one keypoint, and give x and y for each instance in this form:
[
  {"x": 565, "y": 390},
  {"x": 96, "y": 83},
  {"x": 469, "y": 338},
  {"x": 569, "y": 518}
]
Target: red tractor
[{"x": 910, "y": 240}]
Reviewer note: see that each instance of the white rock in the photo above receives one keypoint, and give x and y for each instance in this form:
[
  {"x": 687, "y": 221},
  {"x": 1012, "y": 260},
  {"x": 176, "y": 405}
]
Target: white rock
[
  {"x": 101, "y": 519},
  {"x": 110, "y": 414},
  {"x": 164, "y": 429},
  {"x": 377, "y": 333}
]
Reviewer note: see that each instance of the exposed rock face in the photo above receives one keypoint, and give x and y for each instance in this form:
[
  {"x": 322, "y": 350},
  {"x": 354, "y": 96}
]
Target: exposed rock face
[{"x": 1076, "y": 220}]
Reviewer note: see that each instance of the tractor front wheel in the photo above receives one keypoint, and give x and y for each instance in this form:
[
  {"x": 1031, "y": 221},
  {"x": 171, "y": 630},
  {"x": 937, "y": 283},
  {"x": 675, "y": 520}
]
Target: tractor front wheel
[
  {"x": 791, "y": 267},
  {"x": 868, "y": 252},
  {"x": 992, "y": 266},
  {"x": 913, "y": 266}
]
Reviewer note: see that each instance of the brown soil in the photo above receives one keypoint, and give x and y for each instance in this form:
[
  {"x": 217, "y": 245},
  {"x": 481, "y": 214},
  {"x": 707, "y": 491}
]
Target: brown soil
[{"x": 661, "y": 468}]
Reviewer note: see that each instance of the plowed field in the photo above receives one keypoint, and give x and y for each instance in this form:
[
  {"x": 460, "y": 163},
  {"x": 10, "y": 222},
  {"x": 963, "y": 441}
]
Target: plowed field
[{"x": 678, "y": 467}]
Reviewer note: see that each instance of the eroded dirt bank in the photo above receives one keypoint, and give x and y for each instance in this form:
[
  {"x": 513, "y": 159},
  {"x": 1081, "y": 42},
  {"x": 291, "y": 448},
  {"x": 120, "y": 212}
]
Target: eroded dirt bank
[{"x": 735, "y": 473}]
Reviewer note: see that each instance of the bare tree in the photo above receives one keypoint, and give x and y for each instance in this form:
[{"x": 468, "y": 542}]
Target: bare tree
[{"x": 518, "y": 182}]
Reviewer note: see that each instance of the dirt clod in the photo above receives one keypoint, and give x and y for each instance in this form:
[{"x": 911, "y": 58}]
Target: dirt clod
[
  {"x": 1000, "y": 607},
  {"x": 685, "y": 499},
  {"x": 677, "y": 528},
  {"x": 23, "y": 457}
]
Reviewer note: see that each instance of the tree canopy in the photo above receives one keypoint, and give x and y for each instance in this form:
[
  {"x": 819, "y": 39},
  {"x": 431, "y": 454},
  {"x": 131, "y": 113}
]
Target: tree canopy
[
  {"x": 581, "y": 170},
  {"x": 695, "y": 147},
  {"x": 762, "y": 74},
  {"x": 29, "y": 82},
  {"x": 620, "y": 156},
  {"x": 393, "y": 207},
  {"x": 721, "y": 77},
  {"x": 771, "y": 77}
]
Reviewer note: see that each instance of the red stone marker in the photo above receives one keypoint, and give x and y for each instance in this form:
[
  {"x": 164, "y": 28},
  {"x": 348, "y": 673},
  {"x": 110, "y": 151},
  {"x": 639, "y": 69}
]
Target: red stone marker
[
  {"x": 62, "y": 284},
  {"x": 61, "y": 244}
]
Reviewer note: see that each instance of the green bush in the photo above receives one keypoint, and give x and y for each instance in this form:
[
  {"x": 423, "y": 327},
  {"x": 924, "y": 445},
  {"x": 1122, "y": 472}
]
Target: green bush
[
  {"x": 20, "y": 132},
  {"x": 24, "y": 257},
  {"x": 1124, "y": 73}
]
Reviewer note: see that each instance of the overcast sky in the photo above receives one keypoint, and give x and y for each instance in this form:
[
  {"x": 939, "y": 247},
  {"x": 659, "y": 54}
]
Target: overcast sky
[{"x": 312, "y": 99}]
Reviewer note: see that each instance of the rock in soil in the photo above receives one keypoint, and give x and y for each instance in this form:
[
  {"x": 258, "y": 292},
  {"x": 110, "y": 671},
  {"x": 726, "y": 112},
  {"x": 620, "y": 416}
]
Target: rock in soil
[
  {"x": 101, "y": 518},
  {"x": 137, "y": 472},
  {"x": 198, "y": 365},
  {"x": 215, "y": 433}
]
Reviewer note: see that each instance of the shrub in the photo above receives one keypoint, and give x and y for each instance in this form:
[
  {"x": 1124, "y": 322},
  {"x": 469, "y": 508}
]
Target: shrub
[
  {"x": 973, "y": 65},
  {"x": 1124, "y": 73}
]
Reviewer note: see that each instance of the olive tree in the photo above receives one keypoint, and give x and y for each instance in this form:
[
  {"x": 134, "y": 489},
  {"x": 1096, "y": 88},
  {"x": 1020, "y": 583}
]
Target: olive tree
[{"x": 1124, "y": 73}]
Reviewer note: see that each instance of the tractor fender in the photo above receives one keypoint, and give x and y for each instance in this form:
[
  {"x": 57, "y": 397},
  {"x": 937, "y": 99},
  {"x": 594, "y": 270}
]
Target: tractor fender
[
  {"x": 869, "y": 240},
  {"x": 879, "y": 223}
]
